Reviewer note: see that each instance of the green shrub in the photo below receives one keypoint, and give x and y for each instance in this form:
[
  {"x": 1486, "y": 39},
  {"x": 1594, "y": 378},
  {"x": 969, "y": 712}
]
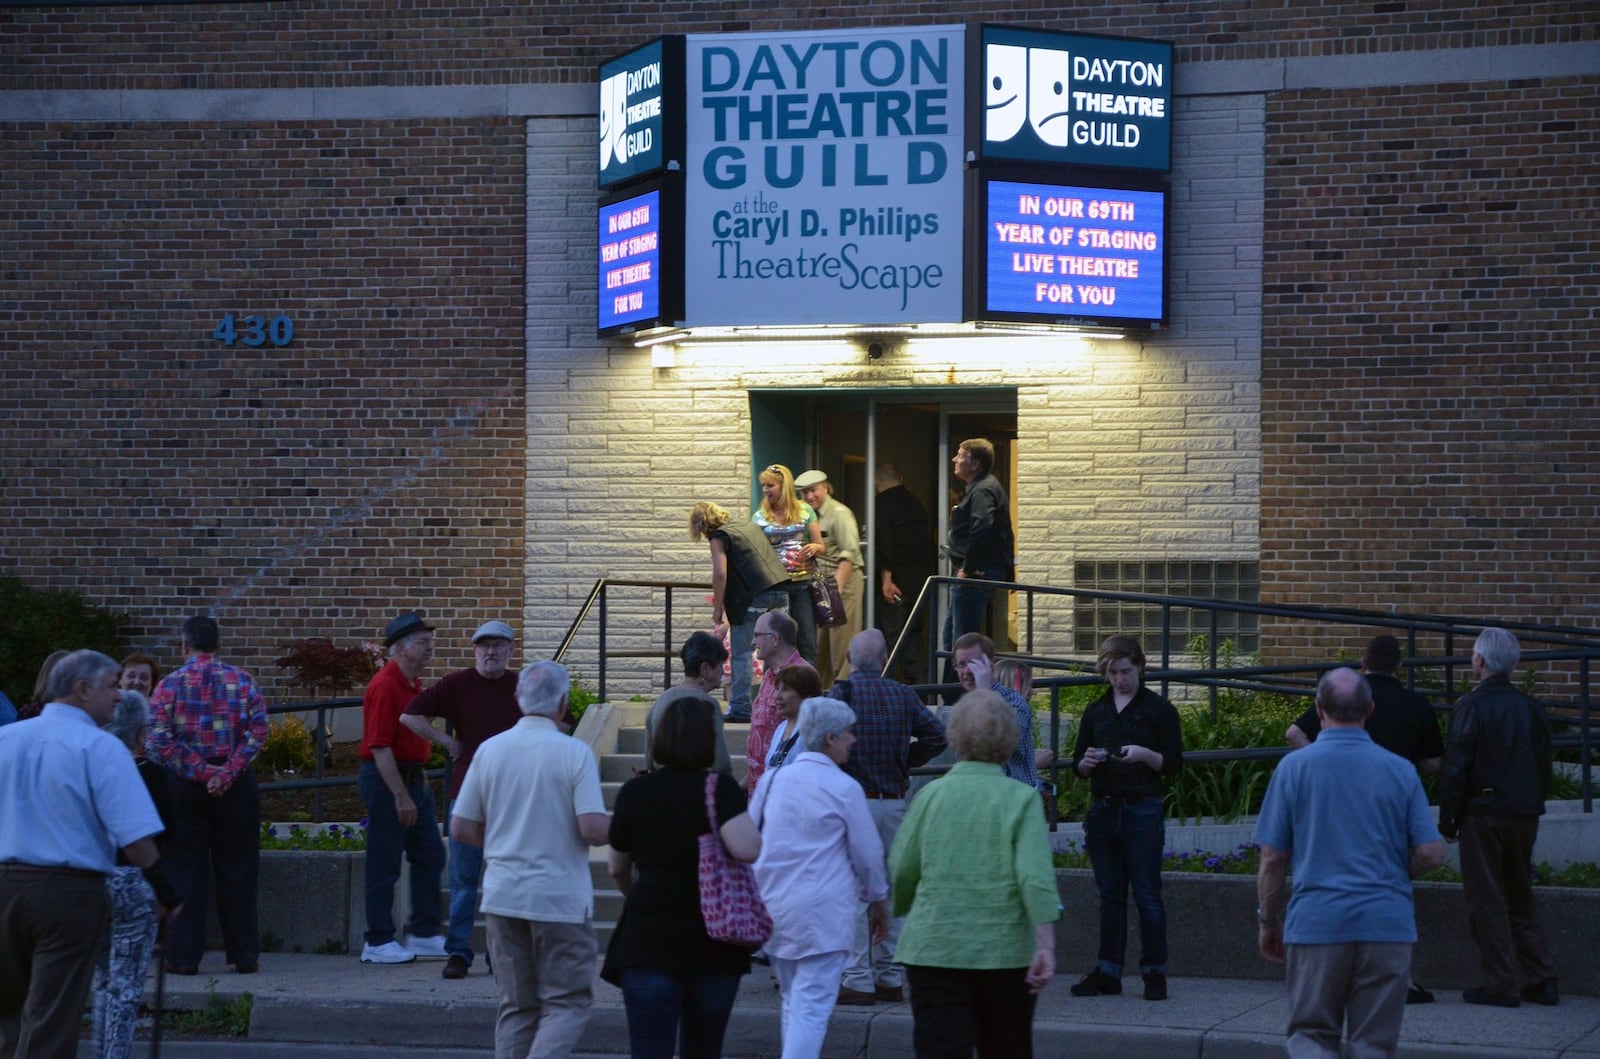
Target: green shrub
[
  {"x": 34, "y": 622},
  {"x": 288, "y": 748}
]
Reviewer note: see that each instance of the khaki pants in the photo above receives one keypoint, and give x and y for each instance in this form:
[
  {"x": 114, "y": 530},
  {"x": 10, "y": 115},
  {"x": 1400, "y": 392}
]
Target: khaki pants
[
  {"x": 545, "y": 972},
  {"x": 1360, "y": 985}
]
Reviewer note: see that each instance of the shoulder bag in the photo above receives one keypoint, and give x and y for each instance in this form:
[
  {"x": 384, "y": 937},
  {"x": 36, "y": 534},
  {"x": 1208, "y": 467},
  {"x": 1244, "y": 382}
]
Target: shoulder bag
[{"x": 729, "y": 899}]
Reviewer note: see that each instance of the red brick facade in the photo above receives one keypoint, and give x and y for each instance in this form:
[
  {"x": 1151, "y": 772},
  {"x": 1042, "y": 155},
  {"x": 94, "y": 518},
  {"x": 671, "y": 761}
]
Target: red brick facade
[{"x": 1428, "y": 380}]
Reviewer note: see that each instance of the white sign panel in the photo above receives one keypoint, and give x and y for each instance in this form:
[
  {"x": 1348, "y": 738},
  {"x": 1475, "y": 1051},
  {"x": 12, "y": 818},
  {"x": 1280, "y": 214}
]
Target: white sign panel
[{"x": 824, "y": 177}]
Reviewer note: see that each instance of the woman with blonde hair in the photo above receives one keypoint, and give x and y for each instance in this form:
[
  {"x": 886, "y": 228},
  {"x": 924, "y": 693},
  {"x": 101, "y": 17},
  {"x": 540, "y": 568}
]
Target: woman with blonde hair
[
  {"x": 746, "y": 580},
  {"x": 793, "y": 531},
  {"x": 971, "y": 872}
]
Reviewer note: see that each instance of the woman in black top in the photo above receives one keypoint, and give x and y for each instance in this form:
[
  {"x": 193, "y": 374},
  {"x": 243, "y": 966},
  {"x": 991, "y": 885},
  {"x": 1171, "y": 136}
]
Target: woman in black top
[
  {"x": 1129, "y": 741},
  {"x": 677, "y": 983}
]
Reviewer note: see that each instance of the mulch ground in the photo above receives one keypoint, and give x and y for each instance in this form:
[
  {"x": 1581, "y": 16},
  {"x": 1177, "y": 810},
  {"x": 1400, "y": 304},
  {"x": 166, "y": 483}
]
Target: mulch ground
[{"x": 339, "y": 804}]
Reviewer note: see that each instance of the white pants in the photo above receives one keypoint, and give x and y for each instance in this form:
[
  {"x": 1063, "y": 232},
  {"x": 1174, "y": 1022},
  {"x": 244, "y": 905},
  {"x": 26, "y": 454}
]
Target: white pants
[{"x": 810, "y": 988}]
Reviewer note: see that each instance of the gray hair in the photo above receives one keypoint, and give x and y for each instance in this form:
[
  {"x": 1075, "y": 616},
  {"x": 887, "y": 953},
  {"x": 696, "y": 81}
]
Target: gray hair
[
  {"x": 1344, "y": 695},
  {"x": 131, "y": 717},
  {"x": 79, "y": 665},
  {"x": 394, "y": 648},
  {"x": 821, "y": 717},
  {"x": 1499, "y": 650},
  {"x": 542, "y": 688},
  {"x": 868, "y": 651}
]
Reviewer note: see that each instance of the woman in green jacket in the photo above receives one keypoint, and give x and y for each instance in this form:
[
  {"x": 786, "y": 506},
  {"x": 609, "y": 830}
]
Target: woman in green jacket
[{"x": 971, "y": 871}]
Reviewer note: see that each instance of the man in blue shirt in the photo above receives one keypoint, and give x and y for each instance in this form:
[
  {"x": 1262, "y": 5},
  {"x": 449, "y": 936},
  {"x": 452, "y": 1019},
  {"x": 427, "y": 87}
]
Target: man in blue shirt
[
  {"x": 1353, "y": 820},
  {"x": 70, "y": 797}
]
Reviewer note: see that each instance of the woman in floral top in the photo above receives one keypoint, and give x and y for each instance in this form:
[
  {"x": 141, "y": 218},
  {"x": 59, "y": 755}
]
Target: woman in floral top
[{"x": 791, "y": 527}]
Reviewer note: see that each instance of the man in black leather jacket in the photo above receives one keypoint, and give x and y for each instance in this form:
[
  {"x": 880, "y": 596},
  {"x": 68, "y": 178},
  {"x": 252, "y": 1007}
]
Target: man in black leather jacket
[{"x": 1491, "y": 793}]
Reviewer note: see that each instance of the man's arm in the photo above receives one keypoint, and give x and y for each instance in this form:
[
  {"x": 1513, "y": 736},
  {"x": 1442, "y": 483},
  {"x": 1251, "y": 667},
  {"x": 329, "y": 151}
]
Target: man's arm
[
  {"x": 1460, "y": 746},
  {"x": 595, "y": 828},
  {"x": 1426, "y": 857},
  {"x": 719, "y": 581},
  {"x": 1272, "y": 900},
  {"x": 927, "y": 737},
  {"x": 1431, "y": 765},
  {"x": 469, "y": 832},
  {"x": 1296, "y": 739},
  {"x": 389, "y": 772},
  {"x": 419, "y": 724}
]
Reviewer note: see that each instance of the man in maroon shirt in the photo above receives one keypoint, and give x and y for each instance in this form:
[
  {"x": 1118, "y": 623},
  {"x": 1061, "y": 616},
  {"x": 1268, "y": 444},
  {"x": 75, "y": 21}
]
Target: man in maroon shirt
[
  {"x": 400, "y": 815},
  {"x": 479, "y": 701}
]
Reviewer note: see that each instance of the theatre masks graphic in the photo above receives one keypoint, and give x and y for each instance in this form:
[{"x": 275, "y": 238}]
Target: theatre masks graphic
[{"x": 1026, "y": 86}]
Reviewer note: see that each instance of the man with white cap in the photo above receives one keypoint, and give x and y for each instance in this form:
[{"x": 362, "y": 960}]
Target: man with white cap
[
  {"x": 478, "y": 702},
  {"x": 841, "y": 539}
]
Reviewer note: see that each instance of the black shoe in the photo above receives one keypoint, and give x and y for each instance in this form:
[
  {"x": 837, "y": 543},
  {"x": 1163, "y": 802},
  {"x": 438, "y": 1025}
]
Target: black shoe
[
  {"x": 1544, "y": 992},
  {"x": 173, "y": 968},
  {"x": 1155, "y": 985},
  {"x": 455, "y": 967},
  {"x": 1481, "y": 995},
  {"x": 248, "y": 967},
  {"x": 1416, "y": 994},
  {"x": 736, "y": 718},
  {"x": 1097, "y": 983}
]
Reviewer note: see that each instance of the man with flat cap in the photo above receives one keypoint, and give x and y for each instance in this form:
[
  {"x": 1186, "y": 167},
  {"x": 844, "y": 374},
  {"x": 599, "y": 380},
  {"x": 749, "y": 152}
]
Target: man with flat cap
[
  {"x": 400, "y": 815},
  {"x": 841, "y": 557},
  {"x": 479, "y": 701}
]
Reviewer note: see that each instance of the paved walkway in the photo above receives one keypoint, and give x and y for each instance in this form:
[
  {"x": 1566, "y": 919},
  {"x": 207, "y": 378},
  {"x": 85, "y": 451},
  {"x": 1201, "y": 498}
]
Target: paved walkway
[{"x": 308, "y": 1007}]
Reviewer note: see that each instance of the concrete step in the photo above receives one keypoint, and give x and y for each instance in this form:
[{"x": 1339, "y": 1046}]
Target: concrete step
[{"x": 631, "y": 740}]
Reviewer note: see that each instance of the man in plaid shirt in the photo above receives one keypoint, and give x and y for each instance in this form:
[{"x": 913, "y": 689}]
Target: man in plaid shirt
[
  {"x": 207, "y": 723},
  {"x": 895, "y": 733}
]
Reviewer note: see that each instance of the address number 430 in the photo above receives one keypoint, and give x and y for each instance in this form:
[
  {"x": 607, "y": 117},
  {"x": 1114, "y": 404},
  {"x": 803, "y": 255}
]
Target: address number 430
[{"x": 254, "y": 331}]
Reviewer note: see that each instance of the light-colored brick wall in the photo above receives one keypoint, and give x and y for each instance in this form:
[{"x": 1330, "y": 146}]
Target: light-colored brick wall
[{"x": 1144, "y": 448}]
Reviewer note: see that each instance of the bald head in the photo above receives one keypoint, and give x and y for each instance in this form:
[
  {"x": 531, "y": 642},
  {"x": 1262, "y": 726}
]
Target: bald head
[
  {"x": 868, "y": 652},
  {"x": 1344, "y": 698}
]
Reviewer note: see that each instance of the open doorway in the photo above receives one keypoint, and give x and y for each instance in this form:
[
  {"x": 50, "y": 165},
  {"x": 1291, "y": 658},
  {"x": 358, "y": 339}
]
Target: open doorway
[{"x": 848, "y": 433}]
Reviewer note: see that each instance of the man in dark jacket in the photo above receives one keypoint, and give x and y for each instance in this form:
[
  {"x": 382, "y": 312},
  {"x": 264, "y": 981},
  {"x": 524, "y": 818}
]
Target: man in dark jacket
[
  {"x": 981, "y": 544},
  {"x": 1491, "y": 793},
  {"x": 905, "y": 560}
]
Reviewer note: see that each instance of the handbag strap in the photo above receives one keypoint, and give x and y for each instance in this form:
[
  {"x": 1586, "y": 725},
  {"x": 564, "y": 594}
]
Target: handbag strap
[{"x": 711, "y": 800}]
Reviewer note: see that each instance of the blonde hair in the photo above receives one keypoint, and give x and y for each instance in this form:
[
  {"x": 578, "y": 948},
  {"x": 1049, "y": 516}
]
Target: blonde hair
[
  {"x": 705, "y": 518},
  {"x": 1015, "y": 675},
  {"x": 983, "y": 727},
  {"x": 780, "y": 474}
]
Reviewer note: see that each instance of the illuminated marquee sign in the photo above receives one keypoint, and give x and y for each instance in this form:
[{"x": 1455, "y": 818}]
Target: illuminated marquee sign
[
  {"x": 641, "y": 111},
  {"x": 1059, "y": 253},
  {"x": 639, "y": 278},
  {"x": 1071, "y": 99}
]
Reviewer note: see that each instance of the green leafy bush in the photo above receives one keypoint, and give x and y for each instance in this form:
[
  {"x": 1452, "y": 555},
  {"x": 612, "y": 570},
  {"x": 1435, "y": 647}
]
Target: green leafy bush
[
  {"x": 35, "y": 622},
  {"x": 288, "y": 747}
]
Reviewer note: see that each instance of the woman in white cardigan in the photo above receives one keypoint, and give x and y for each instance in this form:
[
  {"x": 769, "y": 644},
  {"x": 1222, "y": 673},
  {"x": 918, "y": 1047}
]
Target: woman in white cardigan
[{"x": 820, "y": 858}]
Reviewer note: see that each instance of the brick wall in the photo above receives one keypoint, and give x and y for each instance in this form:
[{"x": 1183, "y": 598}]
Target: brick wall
[
  {"x": 1429, "y": 378},
  {"x": 434, "y": 42},
  {"x": 376, "y": 463}
]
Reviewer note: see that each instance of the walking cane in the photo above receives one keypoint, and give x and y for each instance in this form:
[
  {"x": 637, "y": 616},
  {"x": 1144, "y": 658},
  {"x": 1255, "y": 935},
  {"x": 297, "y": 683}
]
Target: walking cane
[{"x": 161, "y": 989}]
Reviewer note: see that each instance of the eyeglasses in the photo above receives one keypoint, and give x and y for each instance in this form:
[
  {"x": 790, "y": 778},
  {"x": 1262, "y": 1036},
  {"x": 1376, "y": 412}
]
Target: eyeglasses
[
  {"x": 762, "y": 632},
  {"x": 495, "y": 648}
]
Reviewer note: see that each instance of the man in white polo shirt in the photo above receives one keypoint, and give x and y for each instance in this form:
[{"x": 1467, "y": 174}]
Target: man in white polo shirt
[{"x": 532, "y": 801}]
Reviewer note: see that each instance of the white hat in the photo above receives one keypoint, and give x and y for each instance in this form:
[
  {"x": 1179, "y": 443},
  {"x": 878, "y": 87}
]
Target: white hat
[
  {"x": 809, "y": 479},
  {"x": 493, "y": 629}
]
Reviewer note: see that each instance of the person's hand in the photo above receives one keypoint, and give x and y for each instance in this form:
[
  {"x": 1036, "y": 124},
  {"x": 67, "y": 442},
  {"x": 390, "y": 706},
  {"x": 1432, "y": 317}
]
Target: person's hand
[
  {"x": 961, "y": 573},
  {"x": 1134, "y": 754},
  {"x": 1270, "y": 942},
  {"x": 217, "y": 785},
  {"x": 891, "y": 592},
  {"x": 452, "y": 746},
  {"x": 982, "y": 670},
  {"x": 405, "y": 809},
  {"x": 1041, "y": 969},
  {"x": 878, "y": 920}
]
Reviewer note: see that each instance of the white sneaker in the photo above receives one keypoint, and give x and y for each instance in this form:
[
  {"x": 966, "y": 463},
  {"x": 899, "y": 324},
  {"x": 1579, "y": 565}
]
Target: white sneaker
[
  {"x": 427, "y": 948},
  {"x": 388, "y": 952}
]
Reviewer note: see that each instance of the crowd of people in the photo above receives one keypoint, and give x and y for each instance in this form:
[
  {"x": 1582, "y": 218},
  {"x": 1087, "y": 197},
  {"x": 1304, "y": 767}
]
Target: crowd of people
[{"x": 872, "y": 893}]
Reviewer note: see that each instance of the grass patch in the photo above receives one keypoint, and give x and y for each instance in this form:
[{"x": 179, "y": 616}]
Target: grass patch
[{"x": 219, "y": 1017}]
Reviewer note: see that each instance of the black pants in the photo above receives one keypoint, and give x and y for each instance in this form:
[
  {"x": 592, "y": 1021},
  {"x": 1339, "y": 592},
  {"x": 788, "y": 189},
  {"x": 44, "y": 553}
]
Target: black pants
[
  {"x": 956, "y": 1010},
  {"x": 216, "y": 837},
  {"x": 50, "y": 927},
  {"x": 1497, "y": 883}
]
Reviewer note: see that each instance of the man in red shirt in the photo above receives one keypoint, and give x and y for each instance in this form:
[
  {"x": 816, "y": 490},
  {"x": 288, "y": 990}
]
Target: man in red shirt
[
  {"x": 400, "y": 815},
  {"x": 479, "y": 701}
]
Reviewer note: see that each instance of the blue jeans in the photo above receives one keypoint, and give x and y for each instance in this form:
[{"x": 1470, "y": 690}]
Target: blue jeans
[
  {"x": 687, "y": 1010},
  {"x": 741, "y": 640},
  {"x": 1124, "y": 840},
  {"x": 387, "y": 839},
  {"x": 466, "y": 867},
  {"x": 964, "y": 612}
]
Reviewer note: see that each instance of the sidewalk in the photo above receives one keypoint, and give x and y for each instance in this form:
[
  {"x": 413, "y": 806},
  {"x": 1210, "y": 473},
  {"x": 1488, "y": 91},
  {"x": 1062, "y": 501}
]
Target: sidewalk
[{"x": 302, "y": 1001}]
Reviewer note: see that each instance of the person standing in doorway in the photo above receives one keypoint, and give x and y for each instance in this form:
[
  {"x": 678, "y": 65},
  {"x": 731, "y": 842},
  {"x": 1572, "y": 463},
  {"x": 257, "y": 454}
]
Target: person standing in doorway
[
  {"x": 841, "y": 557},
  {"x": 981, "y": 544},
  {"x": 904, "y": 547}
]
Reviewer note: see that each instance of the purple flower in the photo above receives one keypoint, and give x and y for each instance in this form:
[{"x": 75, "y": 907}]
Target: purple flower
[{"x": 1212, "y": 863}]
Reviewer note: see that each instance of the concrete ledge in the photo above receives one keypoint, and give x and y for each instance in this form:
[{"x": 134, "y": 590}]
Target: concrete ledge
[{"x": 1211, "y": 931}]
